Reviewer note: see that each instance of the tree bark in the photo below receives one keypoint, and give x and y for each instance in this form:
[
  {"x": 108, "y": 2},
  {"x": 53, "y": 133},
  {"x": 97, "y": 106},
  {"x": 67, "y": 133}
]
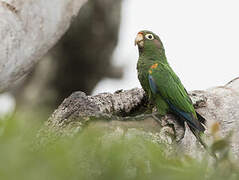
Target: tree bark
[
  {"x": 126, "y": 112},
  {"x": 28, "y": 29}
]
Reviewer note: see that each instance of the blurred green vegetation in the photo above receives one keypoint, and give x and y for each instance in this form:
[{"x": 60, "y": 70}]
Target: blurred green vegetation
[{"x": 94, "y": 155}]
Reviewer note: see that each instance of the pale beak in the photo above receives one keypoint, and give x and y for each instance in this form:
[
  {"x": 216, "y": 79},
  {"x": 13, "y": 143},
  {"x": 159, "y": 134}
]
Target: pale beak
[{"x": 139, "y": 40}]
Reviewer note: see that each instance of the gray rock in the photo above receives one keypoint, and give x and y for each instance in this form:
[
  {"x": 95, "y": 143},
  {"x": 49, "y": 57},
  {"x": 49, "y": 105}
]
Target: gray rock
[{"x": 127, "y": 111}]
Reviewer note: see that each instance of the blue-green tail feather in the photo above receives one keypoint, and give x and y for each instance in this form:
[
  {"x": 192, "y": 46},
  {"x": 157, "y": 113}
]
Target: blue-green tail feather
[{"x": 188, "y": 117}]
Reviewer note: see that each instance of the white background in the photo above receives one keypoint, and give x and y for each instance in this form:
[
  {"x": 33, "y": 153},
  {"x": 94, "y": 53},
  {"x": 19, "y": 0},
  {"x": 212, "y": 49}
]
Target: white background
[{"x": 201, "y": 39}]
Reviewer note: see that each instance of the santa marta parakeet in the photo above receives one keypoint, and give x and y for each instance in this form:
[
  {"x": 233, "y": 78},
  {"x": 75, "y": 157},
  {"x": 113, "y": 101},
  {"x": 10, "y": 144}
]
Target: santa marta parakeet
[{"x": 162, "y": 85}]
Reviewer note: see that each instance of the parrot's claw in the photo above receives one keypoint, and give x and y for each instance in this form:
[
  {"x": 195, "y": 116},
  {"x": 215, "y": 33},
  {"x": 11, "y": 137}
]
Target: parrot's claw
[
  {"x": 157, "y": 117},
  {"x": 172, "y": 122}
]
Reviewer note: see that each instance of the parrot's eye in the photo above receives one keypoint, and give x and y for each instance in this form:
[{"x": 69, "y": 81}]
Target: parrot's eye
[{"x": 149, "y": 36}]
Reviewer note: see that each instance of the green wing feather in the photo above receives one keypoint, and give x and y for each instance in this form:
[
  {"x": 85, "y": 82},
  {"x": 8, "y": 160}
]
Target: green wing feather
[{"x": 173, "y": 92}]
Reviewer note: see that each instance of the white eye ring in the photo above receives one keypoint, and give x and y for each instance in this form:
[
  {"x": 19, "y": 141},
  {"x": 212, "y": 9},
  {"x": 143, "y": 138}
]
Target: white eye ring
[{"x": 149, "y": 36}]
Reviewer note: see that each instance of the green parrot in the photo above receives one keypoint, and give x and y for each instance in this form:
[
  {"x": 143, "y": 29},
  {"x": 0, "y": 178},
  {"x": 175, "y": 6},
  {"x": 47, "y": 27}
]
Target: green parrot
[{"x": 162, "y": 85}]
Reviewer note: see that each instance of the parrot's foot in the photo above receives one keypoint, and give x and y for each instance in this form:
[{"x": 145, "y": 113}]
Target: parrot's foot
[
  {"x": 157, "y": 117},
  {"x": 169, "y": 123},
  {"x": 172, "y": 122},
  {"x": 178, "y": 127}
]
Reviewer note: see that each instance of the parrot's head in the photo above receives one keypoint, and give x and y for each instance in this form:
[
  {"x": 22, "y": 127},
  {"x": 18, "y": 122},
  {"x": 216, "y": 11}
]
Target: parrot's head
[{"x": 147, "y": 41}]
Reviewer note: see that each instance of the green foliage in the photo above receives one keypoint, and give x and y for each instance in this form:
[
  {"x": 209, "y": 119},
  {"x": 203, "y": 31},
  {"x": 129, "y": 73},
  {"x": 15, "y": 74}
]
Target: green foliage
[{"x": 95, "y": 154}]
